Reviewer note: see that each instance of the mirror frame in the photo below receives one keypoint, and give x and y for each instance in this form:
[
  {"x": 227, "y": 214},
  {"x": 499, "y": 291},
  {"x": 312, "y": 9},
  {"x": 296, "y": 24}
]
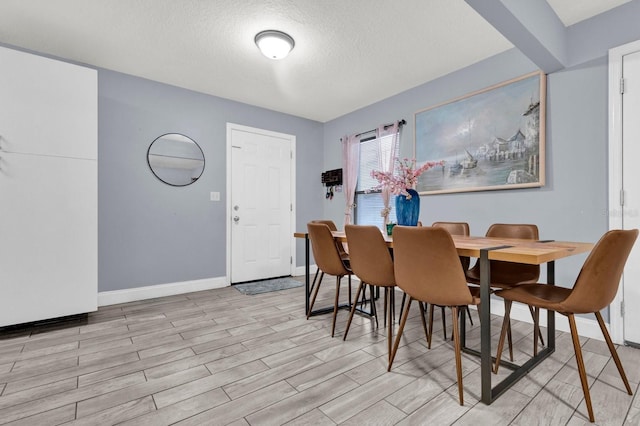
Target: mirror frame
[{"x": 149, "y": 154}]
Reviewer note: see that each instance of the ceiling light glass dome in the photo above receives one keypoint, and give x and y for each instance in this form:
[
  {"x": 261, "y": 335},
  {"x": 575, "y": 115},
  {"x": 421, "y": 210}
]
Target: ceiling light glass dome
[{"x": 274, "y": 44}]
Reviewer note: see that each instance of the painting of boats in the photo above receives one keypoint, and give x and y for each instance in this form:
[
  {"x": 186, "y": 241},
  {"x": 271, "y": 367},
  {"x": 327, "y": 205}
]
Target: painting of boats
[
  {"x": 489, "y": 140},
  {"x": 470, "y": 162}
]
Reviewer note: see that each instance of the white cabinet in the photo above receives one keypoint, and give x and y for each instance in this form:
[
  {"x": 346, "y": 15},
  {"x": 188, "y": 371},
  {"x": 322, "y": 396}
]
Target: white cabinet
[
  {"x": 48, "y": 107},
  {"x": 48, "y": 246},
  {"x": 48, "y": 188}
]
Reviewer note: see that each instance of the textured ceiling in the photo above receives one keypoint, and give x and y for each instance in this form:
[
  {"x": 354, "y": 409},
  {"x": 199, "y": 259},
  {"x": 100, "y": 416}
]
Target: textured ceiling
[
  {"x": 573, "y": 11},
  {"x": 348, "y": 54}
]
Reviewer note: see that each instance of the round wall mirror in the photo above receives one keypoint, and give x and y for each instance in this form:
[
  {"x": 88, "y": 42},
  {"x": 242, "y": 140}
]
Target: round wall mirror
[{"x": 175, "y": 159}]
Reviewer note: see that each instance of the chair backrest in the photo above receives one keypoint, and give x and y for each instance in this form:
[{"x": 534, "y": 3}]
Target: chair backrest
[
  {"x": 324, "y": 249},
  {"x": 509, "y": 272},
  {"x": 427, "y": 267},
  {"x": 456, "y": 228},
  {"x": 331, "y": 224},
  {"x": 332, "y": 227},
  {"x": 369, "y": 255},
  {"x": 597, "y": 283}
]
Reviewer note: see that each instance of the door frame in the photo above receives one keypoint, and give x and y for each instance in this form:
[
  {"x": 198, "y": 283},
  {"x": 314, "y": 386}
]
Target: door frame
[
  {"x": 615, "y": 212},
  {"x": 292, "y": 190}
]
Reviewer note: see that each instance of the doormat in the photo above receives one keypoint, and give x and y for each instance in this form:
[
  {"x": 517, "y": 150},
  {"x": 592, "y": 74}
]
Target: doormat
[{"x": 266, "y": 286}]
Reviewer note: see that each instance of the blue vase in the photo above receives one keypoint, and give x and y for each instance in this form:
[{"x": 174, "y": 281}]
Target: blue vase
[{"x": 408, "y": 210}]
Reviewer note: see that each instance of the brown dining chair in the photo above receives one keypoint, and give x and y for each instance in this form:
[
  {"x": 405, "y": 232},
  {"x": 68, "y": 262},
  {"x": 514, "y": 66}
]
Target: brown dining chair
[
  {"x": 454, "y": 228},
  {"x": 594, "y": 289},
  {"x": 328, "y": 260},
  {"x": 371, "y": 261},
  {"x": 457, "y": 228},
  {"x": 506, "y": 275},
  {"x": 344, "y": 254},
  {"x": 427, "y": 268},
  {"x": 342, "y": 247}
]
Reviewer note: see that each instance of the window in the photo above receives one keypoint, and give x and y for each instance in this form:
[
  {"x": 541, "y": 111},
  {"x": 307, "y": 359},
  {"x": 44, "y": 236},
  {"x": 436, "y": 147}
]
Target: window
[{"x": 373, "y": 153}]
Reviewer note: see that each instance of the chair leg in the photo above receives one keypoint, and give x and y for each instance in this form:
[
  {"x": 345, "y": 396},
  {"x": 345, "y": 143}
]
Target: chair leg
[
  {"x": 456, "y": 344},
  {"x": 580, "y": 362},
  {"x": 316, "y": 287},
  {"x": 510, "y": 341},
  {"x": 466, "y": 307},
  {"x": 392, "y": 305},
  {"x": 533, "y": 314},
  {"x": 424, "y": 323},
  {"x": 614, "y": 353},
  {"x": 335, "y": 306},
  {"x": 389, "y": 315},
  {"x": 509, "y": 337},
  {"x": 313, "y": 283},
  {"x": 405, "y": 314},
  {"x": 431, "y": 308},
  {"x": 404, "y": 298},
  {"x": 444, "y": 322},
  {"x": 468, "y": 312},
  {"x": 374, "y": 310},
  {"x": 387, "y": 296},
  {"x": 503, "y": 333},
  {"x": 352, "y": 310},
  {"x": 363, "y": 299},
  {"x": 536, "y": 328}
]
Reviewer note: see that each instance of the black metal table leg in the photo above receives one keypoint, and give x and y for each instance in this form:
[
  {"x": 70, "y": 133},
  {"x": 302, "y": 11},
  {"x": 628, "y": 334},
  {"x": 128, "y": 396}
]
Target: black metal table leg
[
  {"x": 490, "y": 393},
  {"x": 485, "y": 326},
  {"x": 551, "y": 315},
  {"x": 307, "y": 289}
]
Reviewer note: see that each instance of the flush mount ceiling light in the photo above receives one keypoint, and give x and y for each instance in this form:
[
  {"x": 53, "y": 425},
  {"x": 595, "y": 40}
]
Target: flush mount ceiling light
[{"x": 274, "y": 44}]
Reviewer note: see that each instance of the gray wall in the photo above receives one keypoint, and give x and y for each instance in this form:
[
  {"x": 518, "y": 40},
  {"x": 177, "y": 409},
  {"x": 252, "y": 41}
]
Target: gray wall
[
  {"x": 573, "y": 204},
  {"x": 570, "y": 206},
  {"x": 152, "y": 233}
]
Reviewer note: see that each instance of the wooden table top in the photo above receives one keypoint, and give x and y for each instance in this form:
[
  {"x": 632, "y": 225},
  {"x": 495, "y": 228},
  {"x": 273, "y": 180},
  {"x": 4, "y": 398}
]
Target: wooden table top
[{"x": 520, "y": 251}]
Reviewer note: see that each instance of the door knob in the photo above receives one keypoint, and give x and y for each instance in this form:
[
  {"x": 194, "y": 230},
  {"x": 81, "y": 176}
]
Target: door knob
[{"x": 236, "y": 219}]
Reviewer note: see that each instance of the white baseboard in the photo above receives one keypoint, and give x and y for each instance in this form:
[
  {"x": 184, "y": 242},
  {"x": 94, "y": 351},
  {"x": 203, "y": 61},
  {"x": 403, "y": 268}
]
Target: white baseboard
[
  {"x": 115, "y": 297},
  {"x": 299, "y": 270},
  {"x": 587, "y": 327}
]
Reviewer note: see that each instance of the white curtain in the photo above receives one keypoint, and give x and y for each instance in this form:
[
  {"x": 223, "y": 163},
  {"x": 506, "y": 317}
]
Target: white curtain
[
  {"x": 350, "y": 167},
  {"x": 387, "y": 162}
]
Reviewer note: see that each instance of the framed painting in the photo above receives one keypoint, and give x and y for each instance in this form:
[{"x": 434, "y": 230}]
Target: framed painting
[{"x": 491, "y": 139}]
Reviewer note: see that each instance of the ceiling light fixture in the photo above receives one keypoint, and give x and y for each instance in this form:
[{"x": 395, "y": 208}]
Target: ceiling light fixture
[{"x": 274, "y": 44}]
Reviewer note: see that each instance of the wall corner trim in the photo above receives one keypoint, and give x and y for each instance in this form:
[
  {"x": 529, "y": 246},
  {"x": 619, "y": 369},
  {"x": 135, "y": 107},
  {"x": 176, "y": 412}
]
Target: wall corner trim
[{"x": 106, "y": 298}]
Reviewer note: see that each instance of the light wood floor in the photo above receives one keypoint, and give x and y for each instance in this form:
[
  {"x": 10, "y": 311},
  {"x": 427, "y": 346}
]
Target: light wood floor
[{"x": 220, "y": 357}]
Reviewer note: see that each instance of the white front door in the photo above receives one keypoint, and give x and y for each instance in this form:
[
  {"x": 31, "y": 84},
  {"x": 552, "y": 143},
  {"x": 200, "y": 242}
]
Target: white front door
[
  {"x": 631, "y": 186},
  {"x": 624, "y": 182},
  {"x": 260, "y": 203}
]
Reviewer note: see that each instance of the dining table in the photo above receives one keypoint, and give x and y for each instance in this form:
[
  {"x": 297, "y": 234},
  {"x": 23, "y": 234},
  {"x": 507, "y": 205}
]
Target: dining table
[{"x": 486, "y": 249}]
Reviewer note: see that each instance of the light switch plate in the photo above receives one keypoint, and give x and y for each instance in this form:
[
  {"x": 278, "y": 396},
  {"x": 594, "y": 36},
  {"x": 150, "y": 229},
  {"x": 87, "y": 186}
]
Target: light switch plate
[{"x": 215, "y": 196}]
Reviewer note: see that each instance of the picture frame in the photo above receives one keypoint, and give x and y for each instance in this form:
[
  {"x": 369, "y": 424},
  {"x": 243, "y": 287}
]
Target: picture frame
[{"x": 492, "y": 139}]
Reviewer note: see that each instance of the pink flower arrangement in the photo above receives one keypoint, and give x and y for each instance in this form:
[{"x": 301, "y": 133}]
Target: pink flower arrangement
[{"x": 404, "y": 177}]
